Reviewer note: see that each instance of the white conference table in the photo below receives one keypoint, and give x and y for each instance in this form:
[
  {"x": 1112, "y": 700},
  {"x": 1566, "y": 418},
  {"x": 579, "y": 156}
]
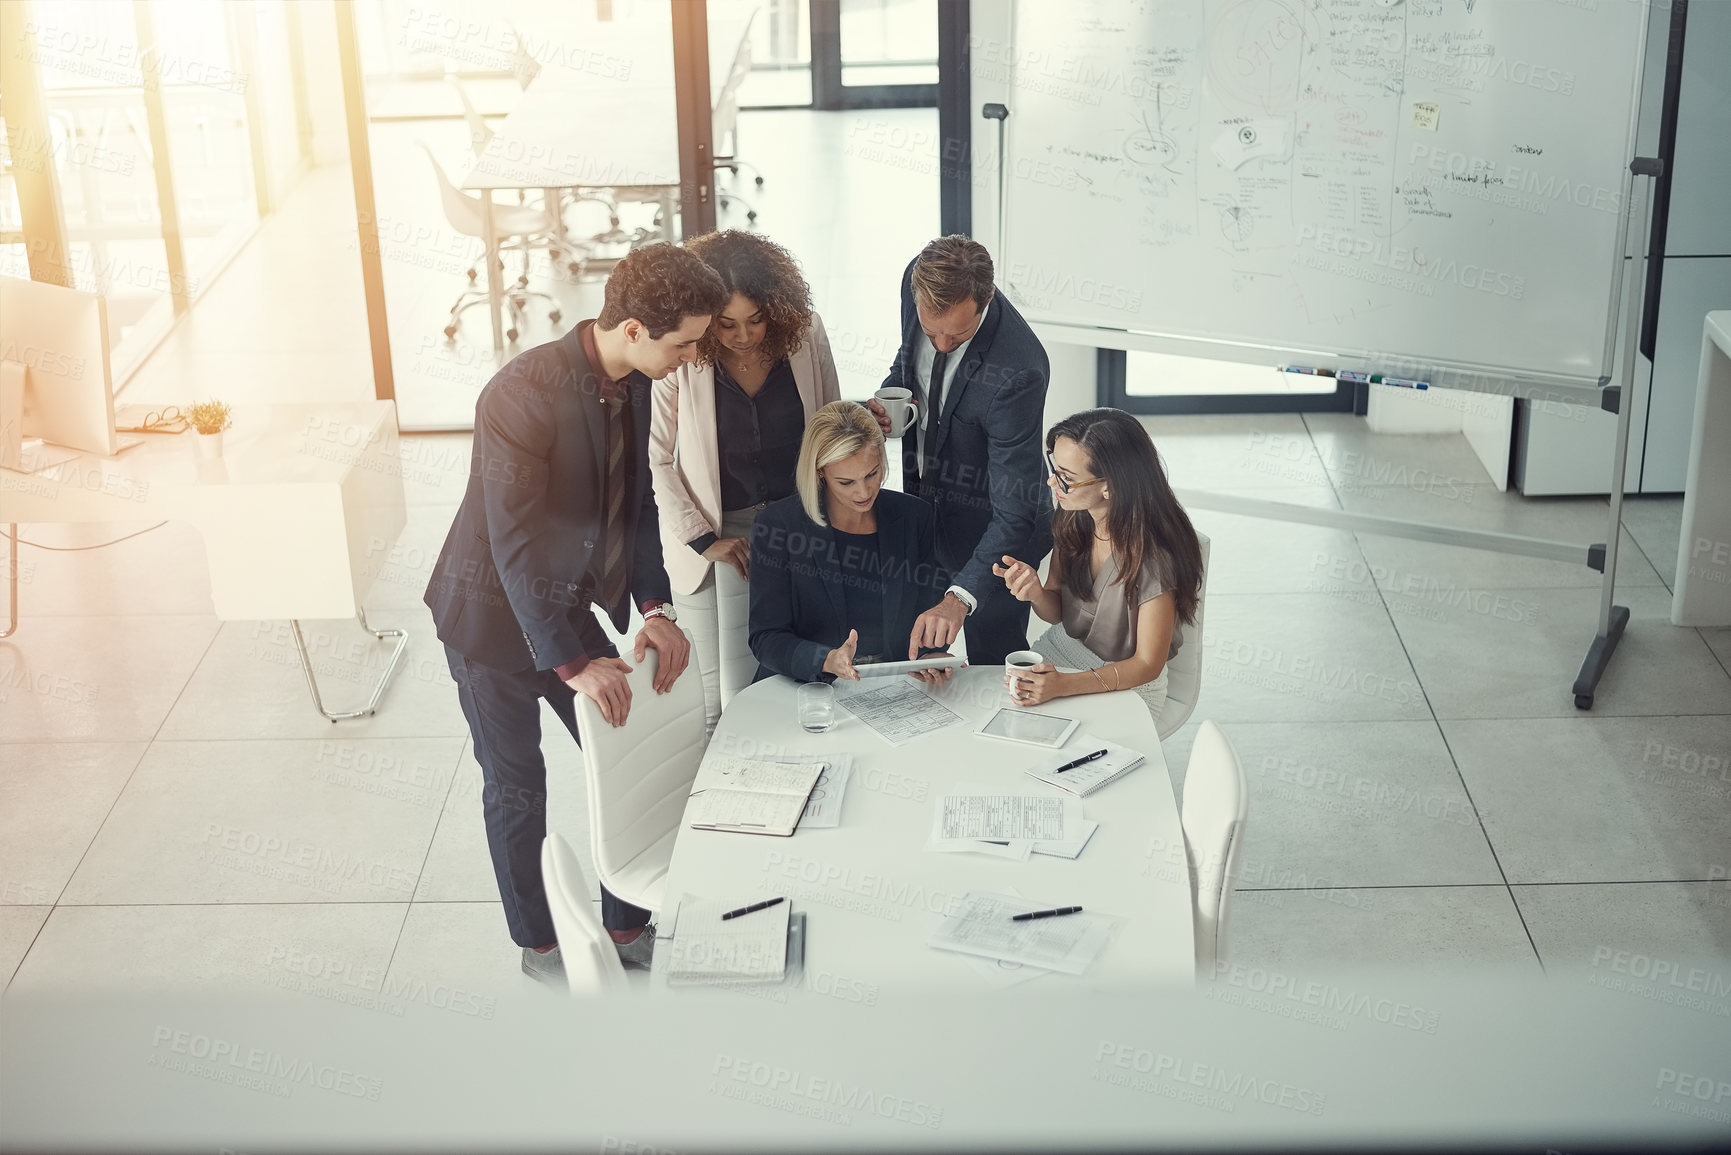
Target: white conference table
[
  {"x": 872, "y": 895},
  {"x": 609, "y": 122}
]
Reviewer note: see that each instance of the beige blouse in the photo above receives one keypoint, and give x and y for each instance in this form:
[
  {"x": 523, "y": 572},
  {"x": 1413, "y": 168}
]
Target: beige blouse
[{"x": 1106, "y": 621}]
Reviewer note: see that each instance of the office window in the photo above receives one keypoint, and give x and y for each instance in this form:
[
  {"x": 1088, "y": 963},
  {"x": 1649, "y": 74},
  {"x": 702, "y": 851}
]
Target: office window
[
  {"x": 98, "y": 140},
  {"x": 885, "y": 42},
  {"x": 204, "y": 104}
]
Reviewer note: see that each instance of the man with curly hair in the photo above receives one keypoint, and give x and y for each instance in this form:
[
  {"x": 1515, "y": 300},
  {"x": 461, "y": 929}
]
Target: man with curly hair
[
  {"x": 559, "y": 520},
  {"x": 974, "y": 452}
]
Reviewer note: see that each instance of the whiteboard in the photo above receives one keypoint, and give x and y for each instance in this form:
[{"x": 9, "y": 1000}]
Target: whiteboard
[{"x": 1386, "y": 183}]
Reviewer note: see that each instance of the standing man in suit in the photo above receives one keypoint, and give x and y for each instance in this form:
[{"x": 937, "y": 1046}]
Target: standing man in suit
[
  {"x": 557, "y": 521},
  {"x": 979, "y": 374}
]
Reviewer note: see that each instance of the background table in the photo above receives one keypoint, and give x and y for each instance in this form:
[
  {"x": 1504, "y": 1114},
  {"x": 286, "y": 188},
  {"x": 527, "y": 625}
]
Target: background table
[
  {"x": 1703, "y": 589},
  {"x": 298, "y": 516},
  {"x": 871, "y": 893},
  {"x": 610, "y": 122}
]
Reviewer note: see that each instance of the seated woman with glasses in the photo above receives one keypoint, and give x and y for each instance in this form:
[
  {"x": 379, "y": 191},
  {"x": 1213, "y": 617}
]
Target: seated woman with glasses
[
  {"x": 842, "y": 568},
  {"x": 1125, "y": 570}
]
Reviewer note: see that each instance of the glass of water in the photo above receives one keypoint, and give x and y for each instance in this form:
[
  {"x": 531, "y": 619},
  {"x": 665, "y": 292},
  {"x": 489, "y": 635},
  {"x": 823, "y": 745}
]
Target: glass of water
[{"x": 816, "y": 706}]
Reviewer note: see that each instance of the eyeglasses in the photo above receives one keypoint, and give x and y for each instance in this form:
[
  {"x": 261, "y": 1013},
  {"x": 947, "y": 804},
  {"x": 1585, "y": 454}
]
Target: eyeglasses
[{"x": 1066, "y": 485}]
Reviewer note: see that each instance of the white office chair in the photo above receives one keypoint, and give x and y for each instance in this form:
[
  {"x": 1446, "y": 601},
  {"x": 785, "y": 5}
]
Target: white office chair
[
  {"x": 525, "y": 222},
  {"x": 592, "y": 965},
  {"x": 1184, "y": 672},
  {"x": 737, "y": 665},
  {"x": 639, "y": 776},
  {"x": 1216, "y": 803},
  {"x": 724, "y": 122}
]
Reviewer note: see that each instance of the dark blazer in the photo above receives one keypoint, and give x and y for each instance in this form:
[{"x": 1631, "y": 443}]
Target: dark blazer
[
  {"x": 798, "y": 576},
  {"x": 518, "y": 572},
  {"x": 990, "y": 486}
]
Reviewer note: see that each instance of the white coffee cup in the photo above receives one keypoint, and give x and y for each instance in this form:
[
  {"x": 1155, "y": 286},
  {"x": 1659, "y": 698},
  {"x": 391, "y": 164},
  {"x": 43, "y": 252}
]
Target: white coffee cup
[
  {"x": 903, "y": 410},
  {"x": 1017, "y": 661}
]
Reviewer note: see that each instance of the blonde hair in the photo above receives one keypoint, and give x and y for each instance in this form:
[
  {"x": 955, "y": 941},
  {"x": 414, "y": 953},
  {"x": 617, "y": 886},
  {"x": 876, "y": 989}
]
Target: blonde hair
[
  {"x": 950, "y": 270},
  {"x": 838, "y": 430}
]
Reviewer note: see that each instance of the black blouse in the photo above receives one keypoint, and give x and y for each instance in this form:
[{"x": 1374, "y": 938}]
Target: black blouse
[{"x": 757, "y": 439}]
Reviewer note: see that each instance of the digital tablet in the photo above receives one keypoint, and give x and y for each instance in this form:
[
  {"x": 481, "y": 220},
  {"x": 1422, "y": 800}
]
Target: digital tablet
[
  {"x": 1014, "y": 724},
  {"x": 885, "y": 669}
]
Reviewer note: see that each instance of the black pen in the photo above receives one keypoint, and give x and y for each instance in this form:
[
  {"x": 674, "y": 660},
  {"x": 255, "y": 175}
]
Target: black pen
[
  {"x": 1045, "y": 913},
  {"x": 768, "y": 902},
  {"x": 1079, "y": 761}
]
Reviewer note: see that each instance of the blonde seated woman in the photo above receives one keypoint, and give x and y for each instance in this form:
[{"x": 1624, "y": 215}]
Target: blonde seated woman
[
  {"x": 842, "y": 570},
  {"x": 1125, "y": 570}
]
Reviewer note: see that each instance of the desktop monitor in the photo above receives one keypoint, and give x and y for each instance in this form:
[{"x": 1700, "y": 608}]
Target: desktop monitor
[{"x": 60, "y": 337}]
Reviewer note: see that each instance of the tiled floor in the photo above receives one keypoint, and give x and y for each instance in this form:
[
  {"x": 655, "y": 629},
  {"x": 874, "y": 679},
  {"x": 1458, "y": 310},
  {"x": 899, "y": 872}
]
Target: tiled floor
[{"x": 1423, "y": 792}]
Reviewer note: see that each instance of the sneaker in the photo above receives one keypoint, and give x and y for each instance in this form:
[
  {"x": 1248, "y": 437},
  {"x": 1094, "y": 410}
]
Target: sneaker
[
  {"x": 546, "y": 968},
  {"x": 636, "y": 954}
]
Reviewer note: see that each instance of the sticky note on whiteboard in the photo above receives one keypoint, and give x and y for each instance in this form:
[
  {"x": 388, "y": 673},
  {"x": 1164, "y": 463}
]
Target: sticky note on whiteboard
[{"x": 1425, "y": 115}]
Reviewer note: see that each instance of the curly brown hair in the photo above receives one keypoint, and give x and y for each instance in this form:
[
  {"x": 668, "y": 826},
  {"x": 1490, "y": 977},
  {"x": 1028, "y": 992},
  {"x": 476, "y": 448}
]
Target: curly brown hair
[
  {"x": 766, "y": 274},
  {"x": 660, "y": 285}
]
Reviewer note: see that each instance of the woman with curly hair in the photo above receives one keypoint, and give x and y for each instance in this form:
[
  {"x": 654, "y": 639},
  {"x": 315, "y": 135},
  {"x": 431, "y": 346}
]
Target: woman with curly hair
[{"x": 725, "y": 438}]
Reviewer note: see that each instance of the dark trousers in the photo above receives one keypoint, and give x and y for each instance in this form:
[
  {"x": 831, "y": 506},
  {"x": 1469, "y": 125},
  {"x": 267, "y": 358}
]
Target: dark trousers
[
  {"x": 997, "y": 627},
  {"x": 504, "y": 714}
]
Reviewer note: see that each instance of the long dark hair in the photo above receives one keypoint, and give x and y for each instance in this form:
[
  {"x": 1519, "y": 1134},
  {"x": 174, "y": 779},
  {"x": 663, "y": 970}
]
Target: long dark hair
[
  {"x": 768, "y": 276},
  {"x": 1144, "y": 520}
]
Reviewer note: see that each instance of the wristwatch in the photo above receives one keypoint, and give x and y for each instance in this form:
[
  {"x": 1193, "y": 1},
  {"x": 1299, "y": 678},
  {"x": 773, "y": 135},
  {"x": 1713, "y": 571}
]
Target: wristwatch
[{"x": 664, "y": 610}]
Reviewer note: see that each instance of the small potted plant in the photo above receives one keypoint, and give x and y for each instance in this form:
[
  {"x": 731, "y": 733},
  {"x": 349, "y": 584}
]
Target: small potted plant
[{"x": 210, "y": 418}]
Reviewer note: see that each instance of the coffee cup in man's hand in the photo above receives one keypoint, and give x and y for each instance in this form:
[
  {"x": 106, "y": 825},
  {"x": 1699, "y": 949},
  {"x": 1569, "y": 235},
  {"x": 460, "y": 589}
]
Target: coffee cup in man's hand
[{"x": 900, "y": 406}]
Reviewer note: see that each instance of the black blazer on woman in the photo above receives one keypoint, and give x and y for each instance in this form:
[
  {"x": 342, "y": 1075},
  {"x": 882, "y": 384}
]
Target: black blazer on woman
[{"x": 799, "y": 576}]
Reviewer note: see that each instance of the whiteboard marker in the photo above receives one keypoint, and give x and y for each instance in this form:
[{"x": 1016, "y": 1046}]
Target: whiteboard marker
[
  {"x": 1353, "y": 375},
  {"x": 1402, "y": 382},
  {"x": 1302, "y": 369}
]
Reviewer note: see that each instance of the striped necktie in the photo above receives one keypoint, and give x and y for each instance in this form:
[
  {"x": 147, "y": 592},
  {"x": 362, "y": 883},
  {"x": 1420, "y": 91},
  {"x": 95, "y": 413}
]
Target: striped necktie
[{"x": 934, "y": 416}]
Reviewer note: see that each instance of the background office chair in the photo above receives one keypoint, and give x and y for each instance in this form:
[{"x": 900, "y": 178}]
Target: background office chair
[
  {"x": 638, "y": 777},
  {"x": 1216, "y": 804},
  {"x": 525, "y": 222},
  {"x": 1184, "y": 672},
  {"x": 592, "y": 965},
  {"x": 724, "y": 123},
  {"x": 737, "y": 664}
]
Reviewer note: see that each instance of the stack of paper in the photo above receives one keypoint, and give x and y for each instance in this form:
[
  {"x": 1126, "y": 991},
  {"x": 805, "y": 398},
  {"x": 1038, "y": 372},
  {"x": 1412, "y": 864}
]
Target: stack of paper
[
  {"x": 752, "y": 796},
  {"x": 823, "y": 809},
  {"x": 1083, "y": 780},
  {"x": 983, "y": 925},
  {"x": 1008, "y": 825},
  {"x": 705, "y": 948}
]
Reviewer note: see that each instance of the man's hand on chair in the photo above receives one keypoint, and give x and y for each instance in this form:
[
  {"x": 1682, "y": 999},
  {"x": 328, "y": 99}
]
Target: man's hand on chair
[
  {"x": 603, "y": 681},
  {"x": 670, "y": 642}
]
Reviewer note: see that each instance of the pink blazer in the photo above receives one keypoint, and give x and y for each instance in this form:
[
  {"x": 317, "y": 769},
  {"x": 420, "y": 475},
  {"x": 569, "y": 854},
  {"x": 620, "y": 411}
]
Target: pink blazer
[{"x": 682, "y": 455}]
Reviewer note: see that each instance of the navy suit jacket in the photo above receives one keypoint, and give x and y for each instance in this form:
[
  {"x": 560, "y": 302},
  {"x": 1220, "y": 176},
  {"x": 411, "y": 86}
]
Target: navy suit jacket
[
  {"x": 521, "y": 566},
  {"x": 990, "y": 481},
  {"x": 799, "y": 571}
]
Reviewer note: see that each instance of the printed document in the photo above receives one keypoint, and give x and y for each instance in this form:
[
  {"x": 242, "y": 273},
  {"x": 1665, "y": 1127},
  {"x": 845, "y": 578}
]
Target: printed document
[{"x": 899, "y": 712}]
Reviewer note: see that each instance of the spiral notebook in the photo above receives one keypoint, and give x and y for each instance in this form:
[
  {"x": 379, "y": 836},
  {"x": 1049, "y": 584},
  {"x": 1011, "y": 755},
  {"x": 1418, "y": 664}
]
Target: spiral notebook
[{"x": 1090, "y": 776}]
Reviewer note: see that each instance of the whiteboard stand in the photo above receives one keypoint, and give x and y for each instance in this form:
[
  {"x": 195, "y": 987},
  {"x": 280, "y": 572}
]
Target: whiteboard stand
[{"x": 1614, "y": 618}]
